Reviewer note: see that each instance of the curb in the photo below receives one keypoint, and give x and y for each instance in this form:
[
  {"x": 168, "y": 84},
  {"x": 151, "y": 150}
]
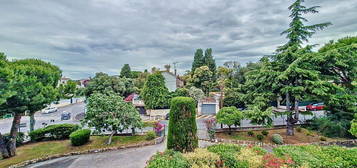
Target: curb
[{"x": 37, "y": 160}]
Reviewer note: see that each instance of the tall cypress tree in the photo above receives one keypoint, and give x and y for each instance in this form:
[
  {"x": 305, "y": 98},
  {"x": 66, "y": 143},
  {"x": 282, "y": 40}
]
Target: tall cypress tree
[
  {"x": 197, "y": 60},
  {"x": 125, "y": 71},
  {"x": 209, "y": 61}
]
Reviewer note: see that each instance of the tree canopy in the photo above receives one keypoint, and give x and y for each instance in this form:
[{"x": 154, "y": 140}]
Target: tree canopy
[
  {"x": 126, "y": 71},
  {"x": 155, "y": 94}
]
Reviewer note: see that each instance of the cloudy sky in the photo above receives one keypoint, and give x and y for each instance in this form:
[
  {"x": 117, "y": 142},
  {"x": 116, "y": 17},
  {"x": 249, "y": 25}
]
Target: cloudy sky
[{"x": 87, "y": 36}]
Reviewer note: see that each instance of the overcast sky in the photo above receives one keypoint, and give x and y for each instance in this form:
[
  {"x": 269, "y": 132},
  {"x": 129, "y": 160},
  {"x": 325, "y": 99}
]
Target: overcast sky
[{"x": 87, "y": 36}]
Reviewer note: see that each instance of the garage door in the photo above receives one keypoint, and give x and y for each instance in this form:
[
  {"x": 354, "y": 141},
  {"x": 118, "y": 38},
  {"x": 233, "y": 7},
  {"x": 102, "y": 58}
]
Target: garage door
[{"x": 208, "y": 109}]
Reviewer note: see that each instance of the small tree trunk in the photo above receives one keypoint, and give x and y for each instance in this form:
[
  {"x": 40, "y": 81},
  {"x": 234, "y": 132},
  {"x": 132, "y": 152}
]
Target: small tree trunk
[
  {"x": 133, "y": 131},
  {"x": 3, "y": 148},
  {"x": 111, "y": 136},
  {"x": 289, "y": 126},
  {"x": 32, "y": 121},
  {"x": 11, "y": 145},
  {"x": 229, "y": 130}
]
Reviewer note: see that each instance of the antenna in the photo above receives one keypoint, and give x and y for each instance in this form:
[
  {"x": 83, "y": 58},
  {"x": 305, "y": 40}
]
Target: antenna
[{"x": 175, "y": 63}]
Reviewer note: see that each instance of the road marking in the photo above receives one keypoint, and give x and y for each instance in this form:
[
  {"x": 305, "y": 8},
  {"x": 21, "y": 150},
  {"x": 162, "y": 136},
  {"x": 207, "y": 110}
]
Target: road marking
[{"x": 205, "y": 116}]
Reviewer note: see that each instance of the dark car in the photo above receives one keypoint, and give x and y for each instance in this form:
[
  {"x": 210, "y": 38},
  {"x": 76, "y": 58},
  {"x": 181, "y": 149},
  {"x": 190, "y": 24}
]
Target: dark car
[
  {"x": 65, "y": 116},
  {"x": 315, "y": 106}
]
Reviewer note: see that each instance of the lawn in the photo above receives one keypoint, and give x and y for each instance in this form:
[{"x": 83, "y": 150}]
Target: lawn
[
  {"x": 43, "y": 149},
  {"x": 304, "y": 136}
]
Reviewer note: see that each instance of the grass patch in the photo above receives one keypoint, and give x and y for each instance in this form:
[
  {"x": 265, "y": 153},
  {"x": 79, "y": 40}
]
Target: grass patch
[
  {"x": 48, "y": 148},
  {"x": 304, "y": 136}
]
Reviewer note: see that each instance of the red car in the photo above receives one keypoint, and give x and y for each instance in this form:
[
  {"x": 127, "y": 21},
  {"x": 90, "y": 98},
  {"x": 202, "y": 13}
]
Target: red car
[{"x": 315, "y": 106}]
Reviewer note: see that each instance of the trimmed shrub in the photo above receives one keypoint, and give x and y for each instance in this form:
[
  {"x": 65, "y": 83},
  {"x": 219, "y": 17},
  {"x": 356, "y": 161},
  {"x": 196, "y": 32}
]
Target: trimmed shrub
[
  {"x": 277, "y": 139},
  {"x": 265, "y": 132},
  {"x": 260, "y": 137},
  {"x": 250, "y": 133},
  {"x": 80, "y": 137},
  {"x": 53, "y": 132},
  {"x": 150, "y": 135},
  {"x": 182, "y": 125},
  {"x": 168, "y": 159},
  {"x": 202, "y": 158}
]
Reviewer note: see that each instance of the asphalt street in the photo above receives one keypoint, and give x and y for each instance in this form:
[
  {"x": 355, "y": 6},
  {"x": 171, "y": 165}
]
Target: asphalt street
[{"x": 74, "y": 109}]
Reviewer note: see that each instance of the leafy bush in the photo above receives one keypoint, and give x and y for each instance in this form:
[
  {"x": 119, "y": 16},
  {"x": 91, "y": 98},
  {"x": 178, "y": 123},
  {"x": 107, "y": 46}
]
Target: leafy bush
[
  {"x": 202, "y": 158},
  {"x": 277, "y": 139},
  {"x": 80, "y": 137},
  {"x": 260, "y": 137},
  {"x": 227, "y": 153},
  {"x": 182, "y": 125},
  {"x": 254, "y": 159},
  {"x": 331, "y": 128},
  {"x": 309, "y": 133},
  {"x": 250, "y": 133},
  {"x": 168, "y": 159},
  {"x": 53, "y": 132},
  {"x": 319, "y": 156},
  {"x": 150, "y": 135},
  {"x": 265, "y": 132}
]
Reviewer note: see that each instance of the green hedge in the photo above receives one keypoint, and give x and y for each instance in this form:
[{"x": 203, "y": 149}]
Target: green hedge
[
  {"x": 182, "y": 125},
  {"x": 80, "y": 137},
  {"x": 53, "y": 132}
]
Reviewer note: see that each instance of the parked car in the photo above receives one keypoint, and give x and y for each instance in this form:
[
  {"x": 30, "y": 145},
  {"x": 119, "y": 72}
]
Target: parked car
[
  {"x": 65, "y": 116},
  {"x": 315, "y": 106},
  {"x": 49, "y": 110}
]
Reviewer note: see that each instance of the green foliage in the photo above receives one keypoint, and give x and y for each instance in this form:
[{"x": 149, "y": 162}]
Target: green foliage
[
  {"x": 155, "y": 94},
  {"x": 227, "y": 153},
  {"x": 298, "y": 129},
  {"x": 233, "y": 97},
  {"x": 202, "y": 158},
  {"x": 209, "y": 61},
  {"x": 126, "y": 71},
  {"x": 277, "y": 139},
  {"x": 182, "y": 125},
  {"x": 196, "y": 93},
  {"x": 298, "y": 33},
  {"x": 197, "y": 60},
  {"x": 353, "y": 129},
  {"x": 150, "y": 135},
  {"x": 168, "y": 159},
  {"x": 105, "y": 84},
  {"x": 258, "y": 116},
  {"x": 229, "y": 116},
  {"x": 53, "y": 132},
  {"x": 318, "y": 156},
  {"x": 323, "y": 138},
  {"x": 331, "y": 128},
  {"x": 111, "y": 113},
  {"x": 265, "y": 132},
  {"x": 260, "y": 137},
  {"x": 80, "y": 137},
  {"x": 180, "y": 92},
  {"x": 202, "y": 79},
  {"x": 68, "y": 90},
  {"x": 250, "y": 133}
]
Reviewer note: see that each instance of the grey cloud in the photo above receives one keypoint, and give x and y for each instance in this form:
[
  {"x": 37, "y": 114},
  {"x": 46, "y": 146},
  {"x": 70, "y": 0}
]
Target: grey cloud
[{"x": 86, "y": 36}]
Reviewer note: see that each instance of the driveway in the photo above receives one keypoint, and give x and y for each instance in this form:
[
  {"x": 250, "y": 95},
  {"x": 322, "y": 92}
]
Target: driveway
[{"x": 126, "y": 158}]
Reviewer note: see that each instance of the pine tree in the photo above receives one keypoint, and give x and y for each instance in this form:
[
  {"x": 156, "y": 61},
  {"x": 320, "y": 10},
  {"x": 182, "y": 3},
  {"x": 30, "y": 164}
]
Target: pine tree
[
  {"x": 126, "y": 71},
  {"x": 298, "y": 32},
  {"x": 197, "y": 60},
  {"x": 295, "y": 76}
]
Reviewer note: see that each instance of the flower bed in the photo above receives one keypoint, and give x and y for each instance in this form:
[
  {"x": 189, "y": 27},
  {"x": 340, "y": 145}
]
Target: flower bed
[{"x": 235, "y": 156}]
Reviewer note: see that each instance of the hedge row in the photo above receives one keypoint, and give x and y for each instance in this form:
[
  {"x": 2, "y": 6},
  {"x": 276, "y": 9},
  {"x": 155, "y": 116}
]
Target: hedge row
[{"x": 53, "y": 132}]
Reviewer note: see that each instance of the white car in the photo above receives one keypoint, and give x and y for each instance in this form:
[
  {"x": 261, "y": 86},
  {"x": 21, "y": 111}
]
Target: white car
[{"x": 49, "y": 110}]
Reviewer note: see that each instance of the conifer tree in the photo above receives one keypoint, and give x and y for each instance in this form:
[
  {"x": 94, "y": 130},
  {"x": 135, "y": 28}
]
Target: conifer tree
[
  {"x": 126, "y": 71},
  {"x": 209, "y": 61},
  {"x": 197, "y": 60}
]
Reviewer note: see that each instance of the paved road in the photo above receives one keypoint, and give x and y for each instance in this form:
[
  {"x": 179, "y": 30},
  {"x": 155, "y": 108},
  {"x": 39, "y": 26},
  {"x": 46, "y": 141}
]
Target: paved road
[
  {"x": 127, "y": 158},
  {"x": 74, "y": 109}
]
